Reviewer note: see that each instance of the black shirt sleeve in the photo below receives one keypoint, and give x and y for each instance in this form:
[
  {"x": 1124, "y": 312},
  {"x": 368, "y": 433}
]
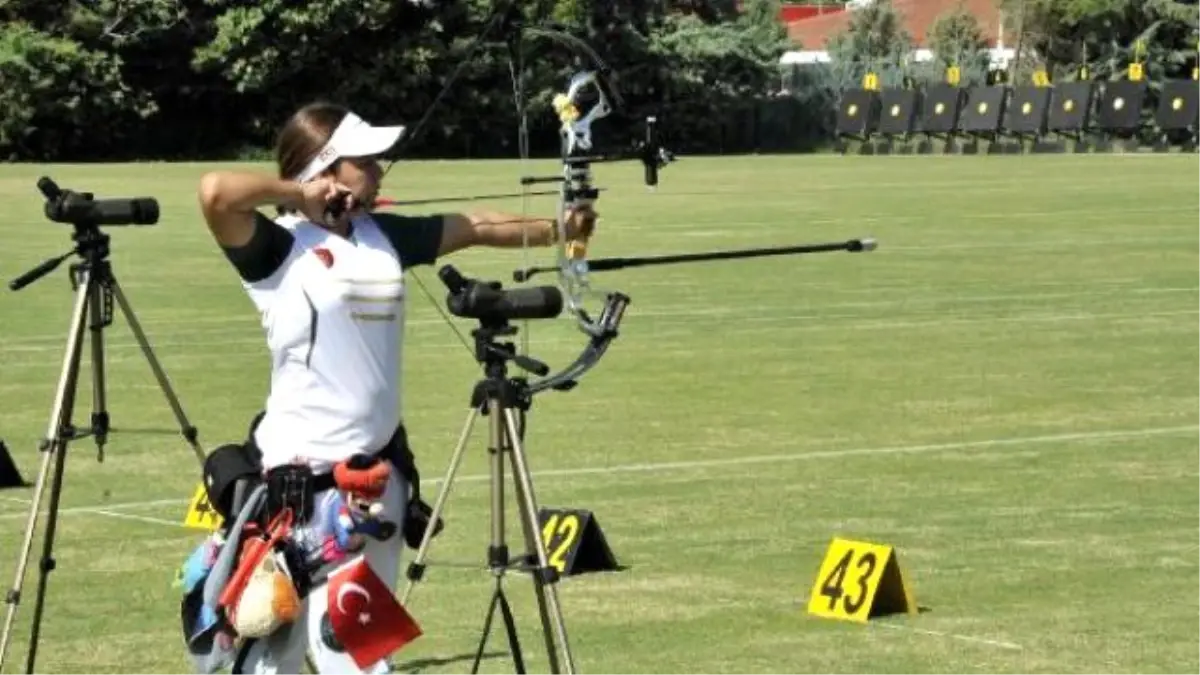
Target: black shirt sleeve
[
  {"x": 416, "y": 239},
  {"x": 266, "y": 251}
]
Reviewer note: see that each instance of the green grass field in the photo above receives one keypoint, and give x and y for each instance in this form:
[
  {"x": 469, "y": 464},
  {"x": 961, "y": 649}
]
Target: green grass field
[{"x": 1006, "y": 392}]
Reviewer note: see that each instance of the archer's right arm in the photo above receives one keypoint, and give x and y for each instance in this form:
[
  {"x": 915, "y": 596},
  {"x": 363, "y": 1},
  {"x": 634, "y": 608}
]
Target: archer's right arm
[
  {"x": 229, "y": 201},
  {"x": 256, "y": 245}
]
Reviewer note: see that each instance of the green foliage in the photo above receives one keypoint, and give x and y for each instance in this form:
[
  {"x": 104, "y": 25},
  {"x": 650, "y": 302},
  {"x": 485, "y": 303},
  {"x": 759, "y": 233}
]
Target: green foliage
[
  {"x": 58, "y": 94},
  {"x": 371, "y": 54},
  {"x": 956, "y": 39},
  {"x": 1064, "y": 34},
  {"x": 120, "y": 23},
  {"x": 210, "y": 78},
  {"x": 714, "y": 72},
  {"x": 723, "y": 61},
  {"x": 875, "y": 41}
]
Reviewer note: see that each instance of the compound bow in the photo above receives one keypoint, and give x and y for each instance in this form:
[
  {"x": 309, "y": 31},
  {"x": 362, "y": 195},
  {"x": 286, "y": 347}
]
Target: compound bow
[
  {"x": 590, "y": 95},
  {"x": 578, "y": 153}
]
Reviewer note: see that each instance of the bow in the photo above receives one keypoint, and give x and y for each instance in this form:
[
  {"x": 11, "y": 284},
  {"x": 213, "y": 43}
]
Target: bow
[
  {"x": 578, "y": 155},
  {"x": 578, "y": 149},
  {"x": 590, "y": 95}
]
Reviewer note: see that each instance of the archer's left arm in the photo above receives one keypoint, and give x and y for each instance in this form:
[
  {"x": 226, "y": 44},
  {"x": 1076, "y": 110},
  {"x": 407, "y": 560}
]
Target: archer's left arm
[{"x": 506, "y": 230}]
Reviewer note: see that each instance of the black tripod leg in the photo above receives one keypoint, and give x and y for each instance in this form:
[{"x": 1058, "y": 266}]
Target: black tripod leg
[
  {"x": 54, "y": 447},
  {"x": 99, "y": 318},
  {"x": 189, "y": 432},
  {"x": 510, "y": 626},
  {"x": 487, "y": 627}
]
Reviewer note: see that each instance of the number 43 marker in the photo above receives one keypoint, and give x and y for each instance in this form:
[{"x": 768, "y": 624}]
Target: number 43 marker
[{"x": 858, "y": 581}]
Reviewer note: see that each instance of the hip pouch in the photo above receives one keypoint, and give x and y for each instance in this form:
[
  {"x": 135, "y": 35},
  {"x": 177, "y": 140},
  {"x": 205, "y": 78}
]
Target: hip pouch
[
  {"x": 231, "y": 472},
  {"x": 291, "y": 487}
]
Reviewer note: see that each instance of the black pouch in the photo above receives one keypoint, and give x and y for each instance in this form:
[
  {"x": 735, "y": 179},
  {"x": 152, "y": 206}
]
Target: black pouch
[
  {"x": 229, "y": 472},
  {"x": 416, "y": 521},
  {"x": 299, "y": 569},
  {"x": 290, "y": 486}
]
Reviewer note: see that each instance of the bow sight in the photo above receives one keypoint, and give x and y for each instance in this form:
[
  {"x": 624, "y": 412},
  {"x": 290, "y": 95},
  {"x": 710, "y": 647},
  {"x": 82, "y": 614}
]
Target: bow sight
[{"x": 649, "y": 151}]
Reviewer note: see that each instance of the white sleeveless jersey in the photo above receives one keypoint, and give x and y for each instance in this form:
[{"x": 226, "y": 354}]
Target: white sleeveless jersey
[{"x": 334, "y": 319}]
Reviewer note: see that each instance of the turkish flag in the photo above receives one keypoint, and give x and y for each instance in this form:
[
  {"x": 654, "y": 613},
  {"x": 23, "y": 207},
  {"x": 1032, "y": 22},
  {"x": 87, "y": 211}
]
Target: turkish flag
[{"x": 365, "y": 617}]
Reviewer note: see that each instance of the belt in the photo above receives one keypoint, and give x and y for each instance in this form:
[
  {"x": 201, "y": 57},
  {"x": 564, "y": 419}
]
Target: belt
[{"x": 325, "y": 481}]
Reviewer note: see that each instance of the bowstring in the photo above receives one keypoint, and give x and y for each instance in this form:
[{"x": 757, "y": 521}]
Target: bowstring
[
  {"x": 516, "y": 70},
  {"x": 446, "y": 317},
  {"x": 479, "y": 40},
  {"x": 495, "y": 19}
]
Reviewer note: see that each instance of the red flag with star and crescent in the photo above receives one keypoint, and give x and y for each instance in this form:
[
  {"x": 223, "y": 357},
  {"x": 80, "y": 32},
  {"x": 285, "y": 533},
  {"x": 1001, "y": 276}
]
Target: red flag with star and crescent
[{"x": 366, "y": 618}]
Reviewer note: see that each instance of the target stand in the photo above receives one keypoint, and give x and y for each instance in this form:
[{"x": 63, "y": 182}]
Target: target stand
[
  {"x": 1177, "y": 116},
  {"x": 1069, "y": 117},
  {"x": 897, "y": 119},
  {"x": 940, "y": 111},
  {"x": 1026, "y": 119},
  {"x": 1119, "y": 117},
  {"x": 857, "y": 119},
  {"x": 981, "y": 115}
]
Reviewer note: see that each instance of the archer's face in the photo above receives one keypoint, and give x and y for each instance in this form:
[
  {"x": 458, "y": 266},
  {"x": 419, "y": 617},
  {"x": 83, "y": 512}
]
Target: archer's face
[{"x": 362, "y": 176}]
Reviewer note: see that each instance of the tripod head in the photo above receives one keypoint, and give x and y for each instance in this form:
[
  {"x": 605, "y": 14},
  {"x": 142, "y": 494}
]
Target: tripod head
[
  {"x": 494, "y": 307},
  {"x": 87, "y": 214}
]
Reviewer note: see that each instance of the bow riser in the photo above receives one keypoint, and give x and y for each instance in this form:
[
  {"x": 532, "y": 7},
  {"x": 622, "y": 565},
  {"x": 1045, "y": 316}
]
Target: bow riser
[{"x": 577, "y": 190}]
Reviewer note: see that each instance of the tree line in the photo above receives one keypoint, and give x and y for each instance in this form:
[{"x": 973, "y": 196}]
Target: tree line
[
  {"x": 196, "y": 79},
  {"x": 213, "y": 79},
  {"x": 1068, "y": 40}
]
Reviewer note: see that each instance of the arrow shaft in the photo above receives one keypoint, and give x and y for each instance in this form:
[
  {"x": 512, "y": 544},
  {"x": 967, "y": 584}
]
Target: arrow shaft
[{"x": 465, "y": 198}]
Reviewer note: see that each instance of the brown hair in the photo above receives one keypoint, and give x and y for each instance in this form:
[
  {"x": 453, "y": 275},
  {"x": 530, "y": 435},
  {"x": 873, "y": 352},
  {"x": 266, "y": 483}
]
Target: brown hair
[{"x": 304, "y": 134}]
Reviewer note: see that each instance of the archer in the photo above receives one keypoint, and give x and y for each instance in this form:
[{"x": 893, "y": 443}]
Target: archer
[{"x": 327, "y": 277}]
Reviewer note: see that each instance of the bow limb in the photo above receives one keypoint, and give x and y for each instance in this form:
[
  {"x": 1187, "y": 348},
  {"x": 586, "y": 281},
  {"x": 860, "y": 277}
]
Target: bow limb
[{"x": 607, "y": 324}]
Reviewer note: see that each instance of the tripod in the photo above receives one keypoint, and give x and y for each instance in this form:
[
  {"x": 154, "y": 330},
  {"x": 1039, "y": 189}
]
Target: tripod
[
  {"x": 503, "y": 400},
  {"x": 95, "y": 287}
]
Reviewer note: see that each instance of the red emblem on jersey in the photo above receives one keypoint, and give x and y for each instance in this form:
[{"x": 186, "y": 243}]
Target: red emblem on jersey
[{"x": 325, "y": 256}]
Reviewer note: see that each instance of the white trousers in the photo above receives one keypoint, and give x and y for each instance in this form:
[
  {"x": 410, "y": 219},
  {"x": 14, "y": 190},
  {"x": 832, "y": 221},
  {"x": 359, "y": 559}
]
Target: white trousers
[{"x": 284, "y": 651}]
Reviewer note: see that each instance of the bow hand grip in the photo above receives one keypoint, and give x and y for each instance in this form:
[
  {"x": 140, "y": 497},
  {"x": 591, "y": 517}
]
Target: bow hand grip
[{"x": 576, "y": 249}]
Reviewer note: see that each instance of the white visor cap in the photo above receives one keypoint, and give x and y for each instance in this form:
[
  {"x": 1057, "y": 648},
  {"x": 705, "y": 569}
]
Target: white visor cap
[{"x": 352, "y": 138}]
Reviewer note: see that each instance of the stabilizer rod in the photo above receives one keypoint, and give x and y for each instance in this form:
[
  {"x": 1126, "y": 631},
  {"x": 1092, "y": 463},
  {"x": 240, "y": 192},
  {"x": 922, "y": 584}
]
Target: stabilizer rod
[{"x": 603, "y": 264}]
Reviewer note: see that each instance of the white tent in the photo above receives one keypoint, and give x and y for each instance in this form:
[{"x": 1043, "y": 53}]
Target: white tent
[{"x": 1000, "y": 56}]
